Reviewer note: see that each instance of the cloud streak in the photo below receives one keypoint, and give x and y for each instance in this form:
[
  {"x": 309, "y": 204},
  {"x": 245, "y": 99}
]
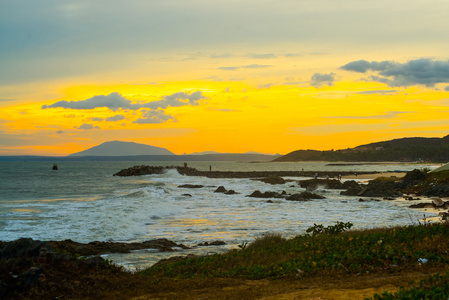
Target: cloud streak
[
  {"x": 253, "y": 66},
  {"x": 414, "y": 72}
]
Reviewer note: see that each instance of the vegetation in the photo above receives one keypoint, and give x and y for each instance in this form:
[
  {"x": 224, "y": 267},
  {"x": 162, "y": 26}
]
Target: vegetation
[
  {"x": 323, "y": 254},
  {"x": 406, "y": 149},
  {"x": 327, "y": 251}
]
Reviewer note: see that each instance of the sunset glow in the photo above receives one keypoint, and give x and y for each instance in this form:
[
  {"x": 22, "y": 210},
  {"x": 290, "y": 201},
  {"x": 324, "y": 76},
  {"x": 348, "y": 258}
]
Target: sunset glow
[{"x": 270, "y": 76}]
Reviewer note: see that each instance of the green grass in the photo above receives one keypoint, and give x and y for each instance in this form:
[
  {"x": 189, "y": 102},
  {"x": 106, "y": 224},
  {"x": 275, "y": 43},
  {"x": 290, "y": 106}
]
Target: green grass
[
  {"x": 322, "y": 253},
  {"x": 434, "y": 287}
]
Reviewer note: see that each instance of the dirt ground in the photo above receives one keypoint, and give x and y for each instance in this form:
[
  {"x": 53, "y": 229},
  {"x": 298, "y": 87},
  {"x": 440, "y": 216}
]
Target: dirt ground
[{"x": 347, "y": 287}]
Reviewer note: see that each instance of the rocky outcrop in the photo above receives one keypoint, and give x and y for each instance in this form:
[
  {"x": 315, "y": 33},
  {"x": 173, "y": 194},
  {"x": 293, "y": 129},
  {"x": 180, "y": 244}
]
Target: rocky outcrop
[
  {"x": 97, "y": 248},
  {"x": 385, "y": 189},
  {"x": 214, "y": 243},
  {"x": 259, "y": 194},
  {"x": 410, "y": 179},
  {"x": 273, "y": 180},
  {"x": 140, "y": 170},
  {"x": 440, "y": 190},
  {"x": 221, "y": 189},
  {"x": 313, "y": 184},
  {"x": 191, "y": 186},
  {"x": 352, "y": 188}
]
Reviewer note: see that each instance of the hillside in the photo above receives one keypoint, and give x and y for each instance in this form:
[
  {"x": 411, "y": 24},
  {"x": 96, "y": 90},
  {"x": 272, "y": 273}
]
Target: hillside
[
  {"x": 405, "y": 149},
  {"x": 117, "y": 148}
]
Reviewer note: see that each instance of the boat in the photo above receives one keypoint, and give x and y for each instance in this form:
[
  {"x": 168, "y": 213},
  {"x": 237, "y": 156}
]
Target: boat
[{"x": 55, "y": 167}]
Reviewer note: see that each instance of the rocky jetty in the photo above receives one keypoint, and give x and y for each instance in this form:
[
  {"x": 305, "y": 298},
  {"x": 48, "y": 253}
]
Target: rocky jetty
[{"x": 149, "y": 170}]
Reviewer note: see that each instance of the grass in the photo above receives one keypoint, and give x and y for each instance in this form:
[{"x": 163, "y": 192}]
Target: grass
[{"x": 353, "y": 252}]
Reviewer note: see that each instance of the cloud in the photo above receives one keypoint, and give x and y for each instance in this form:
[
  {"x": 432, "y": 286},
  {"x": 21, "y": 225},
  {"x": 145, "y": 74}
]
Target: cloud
[
  {"x": 154, "y": 117},
  {"x": 264, "y": 86},
  {"x": 253, "y": 66},
  {"x": 115, "y": 118},
  {"x": 421, "y": 71},
  {"x": 112, "y": 101},
  {"x": 383, "y": 92},
  {"x": 319, "y": 79},
  {"x": 86, "y": 126},
  {"x": 387, "y": 115},
  {"x": 115, "y": 101},
  {"x": 96, "y": 119}
]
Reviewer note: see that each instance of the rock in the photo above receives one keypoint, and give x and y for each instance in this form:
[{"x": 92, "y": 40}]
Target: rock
[
  {"x": 410, "y": 179},
  {"x": 140, "y": 170},
  {"x": 270, "y": 201},
  {"x": 350, "y": 184},
  {"x": 297, "y": 197},
  {"x": 440, "y": 190},
  {"x": 220, "y": 189},
  {"x": 24, "y": 247},
  {"x": 98, "y": 248},
  {"x": 273, "y": 180},
  {"x": 380, "y": 189},
  {"x": 309, "y": 195},
  {"x": 352, "y": 191},
  {"x": 191, "y": 186},
  {"x": 230, "y": 192},
  {"x": 438, "y": 202},
  {"x": 186, "y": 195},
  {"x": 421, "y": 205},
  {"x": 313, "y": 184},
  {"x": 214, "y": 243},
  {"x": 258, "y": 194}
]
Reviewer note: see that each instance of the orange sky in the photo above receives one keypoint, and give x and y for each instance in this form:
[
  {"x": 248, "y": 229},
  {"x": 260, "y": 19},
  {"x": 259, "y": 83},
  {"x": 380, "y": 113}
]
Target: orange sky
[{"x": 274, "y": 79}]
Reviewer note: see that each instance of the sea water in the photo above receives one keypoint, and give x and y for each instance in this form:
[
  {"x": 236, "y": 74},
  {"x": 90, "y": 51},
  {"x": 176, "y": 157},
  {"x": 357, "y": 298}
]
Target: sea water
[{"x": 84, "y": 202}]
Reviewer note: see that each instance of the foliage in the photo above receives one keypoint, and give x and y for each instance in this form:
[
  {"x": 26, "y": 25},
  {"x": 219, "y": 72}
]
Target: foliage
[
  {"x": 435, "y": 287},
  {"x": 331, "y": 230},
  {"x": 329, "y": 251}
]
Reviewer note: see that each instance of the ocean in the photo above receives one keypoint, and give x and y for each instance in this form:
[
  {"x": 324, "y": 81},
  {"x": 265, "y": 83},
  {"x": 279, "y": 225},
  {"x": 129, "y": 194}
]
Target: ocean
[{"x": 84, "y": 202}]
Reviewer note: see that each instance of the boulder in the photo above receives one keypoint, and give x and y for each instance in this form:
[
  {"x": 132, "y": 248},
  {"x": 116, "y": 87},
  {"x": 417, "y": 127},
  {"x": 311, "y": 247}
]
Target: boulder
[
  {"x": 410, "y": 179},
  {"x": 385, "y": 189},
  {"x": 230, "y": 192},
  {"x": 214, "y": 243},
  {"x": 220, "y": 189},
  {"x": 313, "y": 184},
  {"x": 259, "y": 194},
  {"x": 273, "y": 180},
  {"x": 191, "y": 186},
  {"x": 297, "y": 197}
]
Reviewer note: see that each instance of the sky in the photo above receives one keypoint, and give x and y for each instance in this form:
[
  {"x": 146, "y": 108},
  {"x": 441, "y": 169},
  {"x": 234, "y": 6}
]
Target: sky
[{"x": 224, "y": 75}]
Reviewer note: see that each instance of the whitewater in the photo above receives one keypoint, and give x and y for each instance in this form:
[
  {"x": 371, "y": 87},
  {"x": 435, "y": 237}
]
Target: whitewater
[{"x": 83, "y": 202}]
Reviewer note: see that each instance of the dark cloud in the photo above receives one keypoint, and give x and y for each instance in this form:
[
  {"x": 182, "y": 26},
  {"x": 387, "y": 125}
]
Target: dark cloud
[
  {"x": 115, "y": 118},
  {"x": 96, "y": 119},
  {"x": 421, "y": 71},
  {"x": 447, "y": 88},
  {"x": 154, "y": 117},
  {"x": 115, "y": 101},
  {"x": 112, "y": 101},
  {"x": 86, "y": 126},
  {"x": 319, "y": 79}
]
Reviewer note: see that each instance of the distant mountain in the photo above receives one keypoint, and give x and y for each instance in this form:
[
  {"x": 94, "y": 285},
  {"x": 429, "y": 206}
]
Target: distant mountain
[
  {"x": 117, "y": 148},
  {"x": 205, "y": 153},
  {"x": 405, "y": 149}
]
